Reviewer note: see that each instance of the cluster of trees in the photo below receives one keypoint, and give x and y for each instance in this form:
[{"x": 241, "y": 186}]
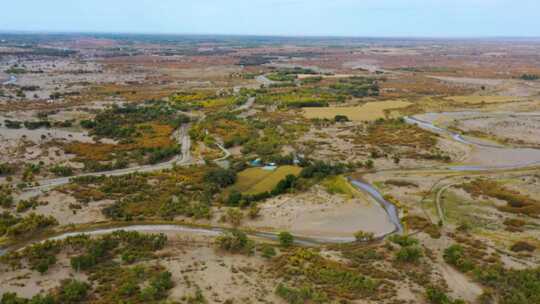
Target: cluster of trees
[
  {"x": 410, "y": 251},
  {"x": 130, "y": 246},
  {"x": 529, "y": 77},
  {"x": 30, "y": 125},
  {"x": 6, "y": 197},
  {"x": 161, "y": 153},
  {"x": 320, "y": 170},
  {"x": 119, "y": 122},
  {"x": 95, "y": 166},
  {"x": 357, "y": 87},
  {"x": 60, "y": 170},
  {"x": 137, "y": 198},
  {"x": 99, "y": 258},
  {"x": 505, "y": 286},
  {"x": 307, "y": 103},
  {"x": 436, "y": 296},
  {"x": 14, "y": 227},
  {"x": 24, "y": 205},
  {"x": 7, "y": 168},
  {"x": 235, "y": 241},
  {"x": 220, "y": 177}
]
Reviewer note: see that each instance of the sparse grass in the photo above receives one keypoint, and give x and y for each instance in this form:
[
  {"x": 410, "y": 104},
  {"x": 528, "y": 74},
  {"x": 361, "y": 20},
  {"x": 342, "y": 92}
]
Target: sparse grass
[
  {"x": 458, "y": 210},
  {"x": 475, "y": 99},
  {"x": 516, "y": 202}
]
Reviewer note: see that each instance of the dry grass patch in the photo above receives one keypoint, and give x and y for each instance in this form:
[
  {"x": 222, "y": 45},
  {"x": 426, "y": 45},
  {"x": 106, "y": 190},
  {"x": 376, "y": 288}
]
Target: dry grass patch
[
  {"x": 394, "y": 133},
  {"x": 368, "y": 112},
  {"x": 475, "y": 99}
]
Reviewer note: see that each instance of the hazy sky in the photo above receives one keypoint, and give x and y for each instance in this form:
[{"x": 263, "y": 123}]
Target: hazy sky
[{"x": 278, "y": 17}]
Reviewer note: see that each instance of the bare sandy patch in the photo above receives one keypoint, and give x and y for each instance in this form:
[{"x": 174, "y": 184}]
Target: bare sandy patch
[
  {"x": 58, "y": 205},
  {"x": 317, "y": 213},
  {"x": 219, "y": 276}
]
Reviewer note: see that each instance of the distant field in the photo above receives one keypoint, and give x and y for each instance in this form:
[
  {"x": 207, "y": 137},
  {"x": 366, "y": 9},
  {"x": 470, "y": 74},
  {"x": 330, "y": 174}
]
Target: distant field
[
  {"x": 257, "y": 180},
  {"x": 219, "y": 102},
  {"x": 367, "y": 112},
  {"x": 474, "y": 99}
]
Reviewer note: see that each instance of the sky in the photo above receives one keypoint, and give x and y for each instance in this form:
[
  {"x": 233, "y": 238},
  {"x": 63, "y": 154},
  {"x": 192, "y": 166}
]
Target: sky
[{"x": 363, "y": 18}]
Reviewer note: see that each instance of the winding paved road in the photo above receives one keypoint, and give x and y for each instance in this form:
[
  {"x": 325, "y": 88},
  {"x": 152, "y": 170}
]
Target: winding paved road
[{"x": 185, "y": 159}]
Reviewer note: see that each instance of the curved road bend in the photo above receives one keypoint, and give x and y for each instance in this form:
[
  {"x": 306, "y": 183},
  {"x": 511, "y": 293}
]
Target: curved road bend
[{"x": 185, "y": 159}]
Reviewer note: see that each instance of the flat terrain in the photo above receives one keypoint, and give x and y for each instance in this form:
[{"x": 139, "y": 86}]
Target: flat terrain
[{"x": 406, "y": 170}]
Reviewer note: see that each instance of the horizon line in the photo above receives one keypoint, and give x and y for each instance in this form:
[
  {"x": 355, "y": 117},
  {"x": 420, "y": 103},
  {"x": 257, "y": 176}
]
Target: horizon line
[{"x": 336, "y": 36}]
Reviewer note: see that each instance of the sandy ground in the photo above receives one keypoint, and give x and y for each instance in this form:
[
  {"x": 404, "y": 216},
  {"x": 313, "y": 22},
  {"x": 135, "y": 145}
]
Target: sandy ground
[
  {"x": 28, "y": 283},
  {"x": 493, "y": 156},
  {"x": 317, "y": 213},
  {"x": 460, "y": 286},
  {"x": 470, "y": 81},
  {"x": 525, "y": 129},
  {"x": 66, "y": 75},
  {"x": 194, "y": 263},
  {"x": 58, "y": 206},
  {"x": 220, "y": 276}
]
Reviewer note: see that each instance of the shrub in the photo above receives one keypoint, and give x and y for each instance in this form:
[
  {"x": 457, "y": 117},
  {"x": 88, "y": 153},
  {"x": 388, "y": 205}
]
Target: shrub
[
  {"x": 234, "y": 198},
  {"x": 341, "y": 118},
  {"x": 254, "y": 211},
  {"x": 437, "y": 296},
  {"x": 7, "y": 169},
  {"x": 403, "y": 240},
  {"x": 31, "y": 224},
  {"x": 268, "y": 251},
  {"x": 234, "y": 216},
  {"x": 6, "y": 199},
  {"x": 301, "y": 295},
  {"x": 72, "y": 291},
  {"x": 522, "y": 246},
  {"x": 362, "y": 236},
  {"x": 285, "y": 239},
  {"x": 235, "y": 241},
  {"x": 409, "y": 254},
  {"x": 455, "y": 256},
  {"x": 62, "y": 170}
]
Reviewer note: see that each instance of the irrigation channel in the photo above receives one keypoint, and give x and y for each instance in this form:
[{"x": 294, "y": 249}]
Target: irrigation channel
[{"x": 391, "y": 210}]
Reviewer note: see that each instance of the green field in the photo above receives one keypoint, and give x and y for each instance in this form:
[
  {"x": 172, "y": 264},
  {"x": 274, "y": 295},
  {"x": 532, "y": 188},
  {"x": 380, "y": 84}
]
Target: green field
[
  {"x": 257, "y": 180},
  {"x": 340, "y": 185}
]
